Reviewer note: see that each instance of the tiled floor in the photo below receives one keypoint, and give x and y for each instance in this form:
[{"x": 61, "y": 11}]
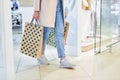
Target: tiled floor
[{"x": 104, "y": 66}]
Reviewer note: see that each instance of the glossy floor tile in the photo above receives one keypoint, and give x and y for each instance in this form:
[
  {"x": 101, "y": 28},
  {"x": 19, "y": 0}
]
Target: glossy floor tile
[{"x": 104, "y": 66}]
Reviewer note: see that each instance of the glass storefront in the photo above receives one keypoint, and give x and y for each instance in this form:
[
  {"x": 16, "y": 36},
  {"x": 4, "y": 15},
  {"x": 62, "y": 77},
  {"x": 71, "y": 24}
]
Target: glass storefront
[
  {"x": 110, "y": 11},
  {"x": 108, "y": 24}
]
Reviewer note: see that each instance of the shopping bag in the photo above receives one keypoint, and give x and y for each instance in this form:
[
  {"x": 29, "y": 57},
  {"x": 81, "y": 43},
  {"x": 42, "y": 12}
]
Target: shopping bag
[
  {"x": 32, "y": 40},
  {"x": 52, "y": 39}
]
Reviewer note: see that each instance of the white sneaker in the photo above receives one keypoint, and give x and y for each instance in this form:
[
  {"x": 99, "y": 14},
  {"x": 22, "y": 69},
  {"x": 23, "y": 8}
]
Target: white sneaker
[
  {"x": 66, "y": 64},
  {"x": 43, "y": 60}
]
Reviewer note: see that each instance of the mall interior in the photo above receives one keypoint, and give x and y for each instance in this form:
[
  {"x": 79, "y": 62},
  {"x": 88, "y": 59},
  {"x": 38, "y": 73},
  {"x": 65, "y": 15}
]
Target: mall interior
[{"x": 92, "y": 43}]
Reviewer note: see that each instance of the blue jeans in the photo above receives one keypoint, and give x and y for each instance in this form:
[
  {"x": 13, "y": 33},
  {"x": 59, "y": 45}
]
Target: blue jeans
[{"x": 59, "y": 32}]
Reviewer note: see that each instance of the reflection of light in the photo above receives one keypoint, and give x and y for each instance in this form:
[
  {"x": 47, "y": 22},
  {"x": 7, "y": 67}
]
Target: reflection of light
[
  {"x": 115, "y": 9},
  {"x": 115, "y": 12},
  {"x": 115, "y": 6}
]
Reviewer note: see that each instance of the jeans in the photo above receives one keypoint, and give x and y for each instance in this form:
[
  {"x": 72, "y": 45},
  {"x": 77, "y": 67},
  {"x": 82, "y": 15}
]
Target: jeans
[{"x": 59, "y": 31}]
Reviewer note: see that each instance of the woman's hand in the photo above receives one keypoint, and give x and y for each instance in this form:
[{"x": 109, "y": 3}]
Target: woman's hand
[{"x": 36, "y": 15}]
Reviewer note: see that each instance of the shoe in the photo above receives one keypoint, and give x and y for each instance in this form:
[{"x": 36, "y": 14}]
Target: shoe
[
  {"x": 43, "y": 60},
  {"x": 66, "y": 64}
]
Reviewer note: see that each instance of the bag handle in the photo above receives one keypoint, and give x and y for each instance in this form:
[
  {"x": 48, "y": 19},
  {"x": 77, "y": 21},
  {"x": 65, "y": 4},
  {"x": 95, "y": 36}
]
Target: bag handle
[{"x": 37, "y": 22}]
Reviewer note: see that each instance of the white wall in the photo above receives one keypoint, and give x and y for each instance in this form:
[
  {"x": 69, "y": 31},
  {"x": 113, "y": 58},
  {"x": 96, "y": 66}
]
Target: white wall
[
  {"x": 84, "y": 24},
  {"x": 6, "y": 39}
]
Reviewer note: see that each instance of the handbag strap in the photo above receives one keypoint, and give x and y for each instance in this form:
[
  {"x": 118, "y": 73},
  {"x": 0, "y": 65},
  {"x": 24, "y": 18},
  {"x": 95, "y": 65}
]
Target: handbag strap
[
  {"x": 37, "y": 22},
  {"x": 32, "y": 20}
]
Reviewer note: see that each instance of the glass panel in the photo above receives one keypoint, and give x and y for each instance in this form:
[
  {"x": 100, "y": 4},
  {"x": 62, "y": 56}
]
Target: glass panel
[{"x": 109, "y": 15}]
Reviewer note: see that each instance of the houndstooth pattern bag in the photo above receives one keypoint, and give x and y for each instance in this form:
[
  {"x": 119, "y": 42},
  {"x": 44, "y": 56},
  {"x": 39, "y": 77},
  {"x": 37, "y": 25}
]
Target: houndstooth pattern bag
[
  {"x": 52, "y": 39},
  {"x": 32, "y": 40}
]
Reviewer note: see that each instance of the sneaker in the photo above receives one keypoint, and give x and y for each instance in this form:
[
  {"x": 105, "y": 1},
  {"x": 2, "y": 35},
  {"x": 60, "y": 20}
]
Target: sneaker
[
  {"x": 66, "y": 64},
  {"x": 43, "y": 60}
]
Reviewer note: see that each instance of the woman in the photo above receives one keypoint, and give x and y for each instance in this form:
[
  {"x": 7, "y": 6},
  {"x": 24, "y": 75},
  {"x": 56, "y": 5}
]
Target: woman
[{"x": 50, "y": 13}]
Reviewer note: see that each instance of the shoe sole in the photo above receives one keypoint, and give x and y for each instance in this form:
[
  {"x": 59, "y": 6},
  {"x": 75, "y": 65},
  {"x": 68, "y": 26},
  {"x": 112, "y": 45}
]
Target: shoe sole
[
  {"x": 67, "y": 67},
  {"x": 43, "y": 63}
]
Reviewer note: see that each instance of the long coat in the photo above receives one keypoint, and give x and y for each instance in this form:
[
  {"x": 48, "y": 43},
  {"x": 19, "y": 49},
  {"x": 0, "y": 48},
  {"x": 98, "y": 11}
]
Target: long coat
[{"x": 47, "y": 11}]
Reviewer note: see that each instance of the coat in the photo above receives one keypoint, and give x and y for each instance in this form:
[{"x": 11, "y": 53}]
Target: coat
[{"x": 47, "y": 11}]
